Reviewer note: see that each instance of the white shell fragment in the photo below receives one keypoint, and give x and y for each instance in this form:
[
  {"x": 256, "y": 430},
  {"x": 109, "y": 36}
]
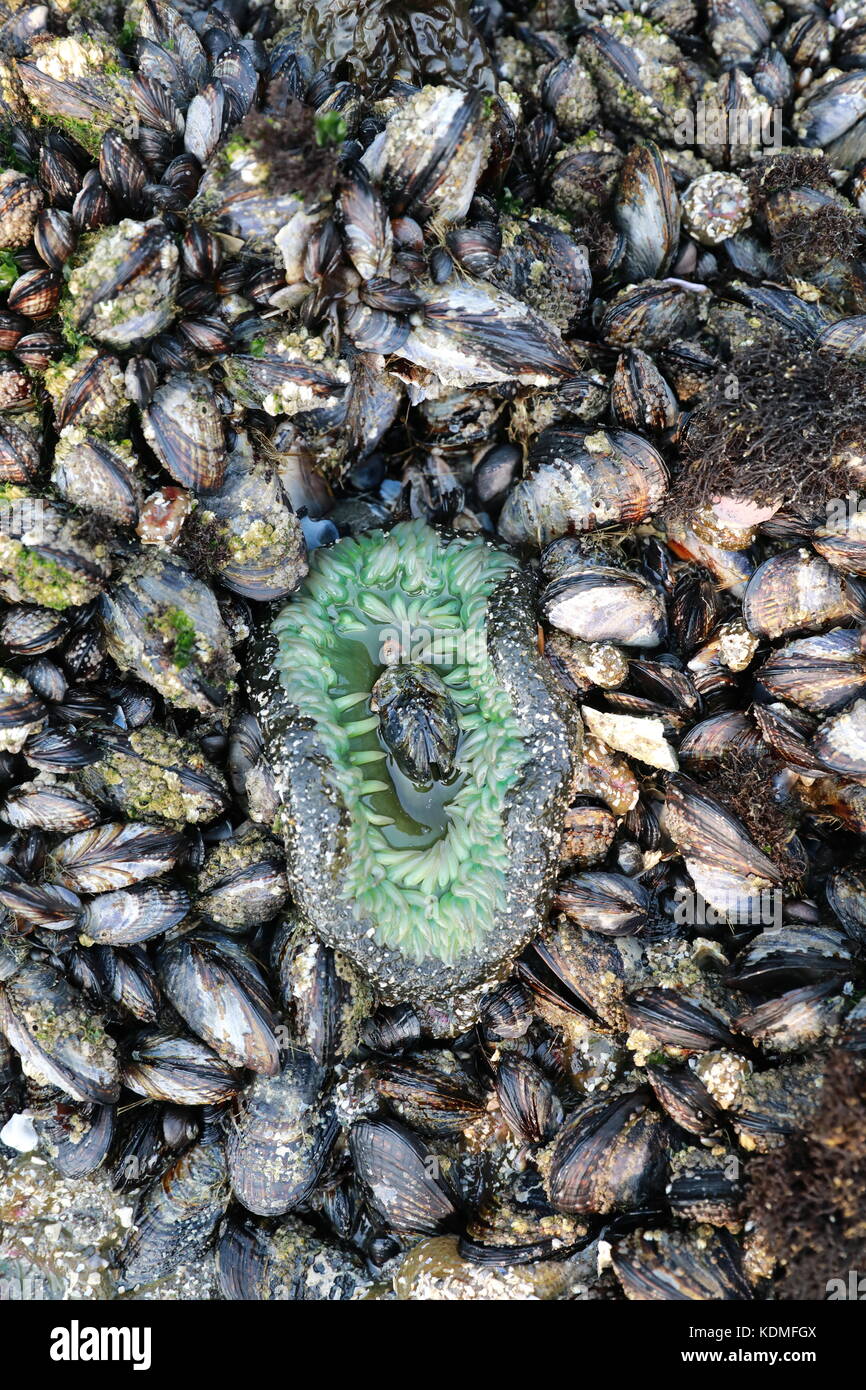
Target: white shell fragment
[
  {"x": 626, "y": 733},
  {"x": 18, "y": 1133}
]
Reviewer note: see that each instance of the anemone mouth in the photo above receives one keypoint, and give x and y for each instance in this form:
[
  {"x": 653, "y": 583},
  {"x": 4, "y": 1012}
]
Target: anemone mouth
[{"x": 426, "y": 866}]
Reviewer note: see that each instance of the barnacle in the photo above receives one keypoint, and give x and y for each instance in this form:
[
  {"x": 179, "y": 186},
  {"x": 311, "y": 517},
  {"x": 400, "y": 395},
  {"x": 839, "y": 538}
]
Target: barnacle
[{"x": 423, "y": 884}]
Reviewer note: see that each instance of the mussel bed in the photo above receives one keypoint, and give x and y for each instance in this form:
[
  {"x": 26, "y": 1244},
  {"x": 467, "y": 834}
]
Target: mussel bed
[{"x": 526, "y": 962}]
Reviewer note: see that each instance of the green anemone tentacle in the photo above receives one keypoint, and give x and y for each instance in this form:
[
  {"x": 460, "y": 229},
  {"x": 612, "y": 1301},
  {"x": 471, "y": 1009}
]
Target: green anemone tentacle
[{"x": 427, "y": 867}]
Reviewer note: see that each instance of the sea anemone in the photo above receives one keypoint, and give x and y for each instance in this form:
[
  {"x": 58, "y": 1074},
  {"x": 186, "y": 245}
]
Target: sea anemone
[{"x": 431, "y": 886}]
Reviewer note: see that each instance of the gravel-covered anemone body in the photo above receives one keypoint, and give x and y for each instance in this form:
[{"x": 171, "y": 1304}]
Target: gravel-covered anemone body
[{"x": 431, "y": 888}]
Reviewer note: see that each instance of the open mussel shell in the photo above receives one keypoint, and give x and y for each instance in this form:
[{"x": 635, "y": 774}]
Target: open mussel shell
[
  {"x": 846, "y": 895},
  {"x": 222, "y": 995},
  {"x": 581, "y": 480},
  {"x": 165, "y": 625},
  {"x": 680, "y": 1265},
  {"x": 647, "y": 212},
  {"x": 605, "y": 604},
  {"x": 609, "y": 1156},
  {"x": 183, "y": 426},
  {"x": 433, "y": 1099},
  {"x": 171, "y": 1066},
  {"x": 77, "y": 1137},
  {"x": 820, "y": 674},
  {"x": 796, "y": 591},
  {"x": 676, "y": 1019},
  {"x": 282, "y": 1137},
  {"x": 59, "y": 1039},
  {"x": 527, "y": 1099},
  {"x": 608, "y": 903},
  {"x": 114, "y": 855},
  {"x": 402, "y": 1178},
  {"x": 685, "y": 1099},
  {"x": 792, "y": 955},
  {"x": 11, "y": 1083},
  {"x": 289, "y": 1261},
  {"x": 131, "y": 915},
  {"x": 176, "y": 1216}
]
